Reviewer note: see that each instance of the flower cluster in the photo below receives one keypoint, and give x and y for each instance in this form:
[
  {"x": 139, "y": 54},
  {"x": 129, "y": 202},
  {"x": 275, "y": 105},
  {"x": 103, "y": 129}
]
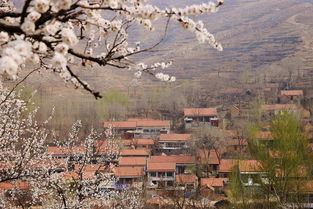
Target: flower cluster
[
  {"x": 64, "y": 33},
  {"x": 15, "y": 55}
]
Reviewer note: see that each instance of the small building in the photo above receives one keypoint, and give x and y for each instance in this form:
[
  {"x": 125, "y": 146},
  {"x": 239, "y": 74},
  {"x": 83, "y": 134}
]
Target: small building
[
  {"x": 274, "y": 109},
  {"x": 195, "y": 117},
  {"x": 290, "y": 95},
  {"x": 135, "y": 153},
  {"x": 139, "y": 128},
  {"x": 183, "y": 163},
  {"x": 58, "y": 152},
  {"x": 215, "y": 185},
  {"x": 143, "y": 143},
  {"x": 236, "y": 145},
  {"x": 132, "y": 162},
  {"x": 173, "y": 143},
  {"x": 152, "y": 128},
  {"x": 214, "y": 160},
  {"x": 121, "y": 128},
  {"x": 161, "y": 174},
  {"x": 250, "y": 173},
  {"x": 187, "y": 181},
  {"x": 128, "y": 175},
  {"x": 210, "y": 158},
  {"x": 226, "y": 167},
  {"x": 106, "y": 151}
]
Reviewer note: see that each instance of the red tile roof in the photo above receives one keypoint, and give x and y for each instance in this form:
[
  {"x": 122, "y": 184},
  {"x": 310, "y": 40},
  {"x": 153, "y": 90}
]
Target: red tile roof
[
  {"x": 213, "y": 158},
  {"x": 203, "y": 155},
  {"x": 153, "y": 123},
  {"x": 213, "y": 182},
  {"x": 249, "y": 166},
  {"x": 13, "y": 185},
  {"x": 175, "y": 137},
  {"x": 292, "y": 92},
  {"x": 135, "y": 152},
  {"x": 279, "y": 107},
  {"x": 132, "y": 161},
  {"x": 137, "y": 122},
  {"x": 128, "y": 172},
  {"x": 179, "y": 159},
  {"x": 139, "y": 119},
  {"x": 120, "y": 124},
  {"x": 226, "y": 165},
  {"x": 89, "y": 167},
  {"x": 54, "y": 150},
  {"x": 200, "y": 111},
  {"x": 143, "y": 141},
  {"x": 107, "y": 147},
  {"x": 186, "y": 179},
  {"x": 151, "y": 167}
]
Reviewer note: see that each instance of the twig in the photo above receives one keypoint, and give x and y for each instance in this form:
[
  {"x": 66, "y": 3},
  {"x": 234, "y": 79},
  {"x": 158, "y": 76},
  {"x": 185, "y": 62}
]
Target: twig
[
  {"x": 16, "y": 85},
  {"x": 96, "y": 94}
]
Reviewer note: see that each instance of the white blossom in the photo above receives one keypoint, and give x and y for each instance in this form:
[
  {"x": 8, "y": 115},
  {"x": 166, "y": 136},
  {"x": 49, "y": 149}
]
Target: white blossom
[
  {"x": 62, "y": 48},
  {"x": 41, "y": 6},
  {"x": 9, "y": 66},
  {"x": 69, "y": 37},
  {"x": 33, "y": 16},
  {"x": 52, "y": 28},
  {"x": 59, "y": 60},
  {"x": 28, "y": 27},
  {"x": 4, "y": 37}
]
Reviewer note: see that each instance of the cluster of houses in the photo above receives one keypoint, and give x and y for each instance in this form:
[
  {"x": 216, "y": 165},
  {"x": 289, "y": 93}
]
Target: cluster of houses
[{"x": 147, "y": 154}]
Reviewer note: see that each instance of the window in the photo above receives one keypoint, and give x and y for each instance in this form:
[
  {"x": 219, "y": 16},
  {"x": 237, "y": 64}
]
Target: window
[
  {"x": 169, "y": 174},
  {"x": 153, "y": 174},
  {"x": 161, "y": 174}
]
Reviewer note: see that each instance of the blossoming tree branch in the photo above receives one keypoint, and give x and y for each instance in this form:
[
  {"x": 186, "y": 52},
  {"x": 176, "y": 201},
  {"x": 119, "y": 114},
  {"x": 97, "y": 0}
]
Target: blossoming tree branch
[{"x": 55, "y": 35}]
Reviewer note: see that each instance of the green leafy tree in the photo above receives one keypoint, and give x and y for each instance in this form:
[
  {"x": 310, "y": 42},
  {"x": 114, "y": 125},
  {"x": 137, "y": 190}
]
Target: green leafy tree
[{"x": 286, "y": 160}]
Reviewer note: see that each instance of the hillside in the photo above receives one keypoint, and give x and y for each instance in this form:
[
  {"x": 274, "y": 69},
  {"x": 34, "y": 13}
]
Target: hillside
[{"x": 262, "y": 37}]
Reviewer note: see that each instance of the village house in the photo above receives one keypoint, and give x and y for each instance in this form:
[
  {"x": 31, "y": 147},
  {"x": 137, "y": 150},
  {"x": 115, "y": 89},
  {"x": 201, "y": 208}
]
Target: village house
[
  {"x": 73, "y": 153},
  {"x": 143, "y": 143},
  {"x": 210, "y": 158},
  {"x": 251, "y": 173},
  {"x": 139, "y": 128},
  {"x": 274, "y": 109},
  {"x": 152, "y": 128},
  {"x": 183, "y": 163},
  {"x": 121, "y": 128},
  {"x": 128, "y": 175},
  {"x": 132, "y": 162},
  {"x": 287, "y": 96},
  {"x": 173, "y": 143},
  {"x": 215, "y": 185},
  {"x": 225, "y": 168},
  {"x": 106, "y": 151},
  {"x": 161, "y": 174},
  {"x": 195, "y": 117},
  {"x": 187, "y": 181},
  {"x": 234, "y": 145},
  {"x": 135, "y": 152}
]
